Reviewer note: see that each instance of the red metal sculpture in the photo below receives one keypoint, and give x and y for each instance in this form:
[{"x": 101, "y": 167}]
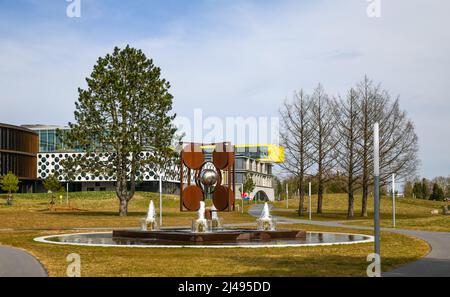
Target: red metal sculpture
[{"x": 216, "y": 177}]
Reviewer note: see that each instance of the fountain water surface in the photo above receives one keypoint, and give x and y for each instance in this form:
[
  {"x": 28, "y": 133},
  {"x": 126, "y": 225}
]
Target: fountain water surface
[
  {"x": 201, "y": 225},
  {"x": 149, "y": 223},
  {"x": 265, "y": 221},
  {"x": 215, "y": 220}
]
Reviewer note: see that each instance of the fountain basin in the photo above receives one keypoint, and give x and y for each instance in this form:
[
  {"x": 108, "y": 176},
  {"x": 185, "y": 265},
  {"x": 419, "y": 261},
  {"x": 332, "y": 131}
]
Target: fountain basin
[
  {"x": 230, "y": 235},
  {"x": 106, "y": 239}
]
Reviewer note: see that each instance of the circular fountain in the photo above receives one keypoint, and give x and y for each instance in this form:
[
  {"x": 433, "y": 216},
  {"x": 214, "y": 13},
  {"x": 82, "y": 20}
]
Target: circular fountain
[
  {"x": 204, "y": 235},
  {"x": 202, "y": 231},
  {"x": 105, "y": 239}
]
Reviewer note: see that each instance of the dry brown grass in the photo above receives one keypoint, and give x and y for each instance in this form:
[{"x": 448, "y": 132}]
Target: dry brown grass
[
  {"x": 344, "y": 260},
  {"x": 30, "y": 211},
  {"x": 410, "y": 213}
]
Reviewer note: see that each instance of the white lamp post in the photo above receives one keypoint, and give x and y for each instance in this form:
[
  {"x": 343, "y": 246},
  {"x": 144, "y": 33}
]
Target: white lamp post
[
  {"x": 376, "y": 166},
  {"x": 309, "y": 202},
  {"x": 393, "y": 200},
  {"x": 160, "y": 200}
]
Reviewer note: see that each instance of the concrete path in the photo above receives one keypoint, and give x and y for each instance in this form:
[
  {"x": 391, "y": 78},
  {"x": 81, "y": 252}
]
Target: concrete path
[
  {"x": 17, "y": 263},
  {"x": 436, "y": 263}
]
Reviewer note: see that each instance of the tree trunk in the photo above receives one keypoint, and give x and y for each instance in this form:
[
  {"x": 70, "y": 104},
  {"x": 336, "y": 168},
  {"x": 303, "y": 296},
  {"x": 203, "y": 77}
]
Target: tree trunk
[
  {"x": 123, "y": 206},
  {"x": 320, "y": 183},
  {"x": 320, "y": 197},
  {"x": 365, "y": 180},
  {"x": 365, "y": 196},
  {"x": 122, "y": 194},
  {"x": 301, "y": 211},
  {"x": 9, "y": 200},
  {"x": 350, "y": 211}
]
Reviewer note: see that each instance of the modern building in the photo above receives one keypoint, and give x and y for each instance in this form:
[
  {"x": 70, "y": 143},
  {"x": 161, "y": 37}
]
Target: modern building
[
  {"x": 48, "y": 138},
  {"x": 254, "y": 160},
  {"x": 52, "y": 153},
  {"x": 18, "y": 154}
]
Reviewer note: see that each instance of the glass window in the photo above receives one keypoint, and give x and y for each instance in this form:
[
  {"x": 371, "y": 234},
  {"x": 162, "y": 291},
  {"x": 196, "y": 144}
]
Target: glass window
[
  {"x": 239, "y": 178},
  {"x": 264, "y": 152},
  {"x": 43, "y": 140},
  {"x": 239, "y": 164},
  {"x": 51, "y": 142}
]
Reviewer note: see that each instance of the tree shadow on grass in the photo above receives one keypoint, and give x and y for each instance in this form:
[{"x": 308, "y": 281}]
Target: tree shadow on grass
[
  {"x": 342, "y": 216},
  {"x": 93, "y": 213}
]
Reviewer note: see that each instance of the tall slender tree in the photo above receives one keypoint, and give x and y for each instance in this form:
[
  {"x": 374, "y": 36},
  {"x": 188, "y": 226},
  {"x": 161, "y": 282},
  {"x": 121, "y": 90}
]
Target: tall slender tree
[
  {"x": 398, "y": 140},
  {"x": 324, "y": 140},
  {"x": 349, "y": 158},
  {"x": 367, "y": 93},
  {"x": 296, "y": 139},
  {"x": 123, "y": 112}
]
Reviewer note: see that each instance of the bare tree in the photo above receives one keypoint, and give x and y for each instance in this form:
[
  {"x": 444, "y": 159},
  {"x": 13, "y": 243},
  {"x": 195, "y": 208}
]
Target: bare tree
[
  {"x": 324, "y": 140},
  {"x": 368, "y": 94},
  {"x": 398, "y": 141},
  {"x": 349, "y": 159},
  {"x": 296, "y": 139},
  {"x": 442, "y": 181},
  {"x": 335, "y": 136}
]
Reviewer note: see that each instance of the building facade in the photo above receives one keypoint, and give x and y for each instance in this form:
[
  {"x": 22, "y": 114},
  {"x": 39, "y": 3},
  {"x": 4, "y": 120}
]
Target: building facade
[
  {"x": 256, "y": 161},
  {"x": 18, "y": 154}
]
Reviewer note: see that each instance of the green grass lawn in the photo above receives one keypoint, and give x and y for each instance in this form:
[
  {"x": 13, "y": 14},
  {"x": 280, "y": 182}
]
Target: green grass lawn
[
  {"x": 30, "y": 218},
  {"x": 31, "y": 211},
  {"x": 410, "y": 213}
]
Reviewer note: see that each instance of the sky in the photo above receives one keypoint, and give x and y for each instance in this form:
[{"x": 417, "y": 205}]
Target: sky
[{"x": 234, "y": 58}]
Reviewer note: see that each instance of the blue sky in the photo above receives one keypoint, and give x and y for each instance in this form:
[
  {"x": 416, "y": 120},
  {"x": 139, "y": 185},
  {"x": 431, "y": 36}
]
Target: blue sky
[{"x": 234, "y": 57}]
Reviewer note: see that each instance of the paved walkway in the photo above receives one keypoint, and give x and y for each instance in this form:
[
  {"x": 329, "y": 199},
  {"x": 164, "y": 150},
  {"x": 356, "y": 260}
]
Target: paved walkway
[
  {"x": 17, "y": 263},
  {"x": 436, "y": 263}
]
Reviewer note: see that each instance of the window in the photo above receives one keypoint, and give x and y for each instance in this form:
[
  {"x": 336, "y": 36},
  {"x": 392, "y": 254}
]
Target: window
[
  {"x": 51, "y": 141},
  {"x": 264, "y": 152},
  {"x": 43, "y": 141},
  {"x": 239, "y": 178},
  {"x": 240, "y": 163}
]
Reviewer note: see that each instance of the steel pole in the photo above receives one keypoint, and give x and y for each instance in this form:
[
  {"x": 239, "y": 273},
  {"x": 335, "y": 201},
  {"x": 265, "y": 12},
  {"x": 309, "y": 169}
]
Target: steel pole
[
  {"x": 393, "y": 200},
  {"x": 242, "y": 198},
  {"x": 67, "y": 193},
  {"x": 160, "y": 200},
  {"x": 376, "y": 160},
  {"x": 309, "y": 204}
]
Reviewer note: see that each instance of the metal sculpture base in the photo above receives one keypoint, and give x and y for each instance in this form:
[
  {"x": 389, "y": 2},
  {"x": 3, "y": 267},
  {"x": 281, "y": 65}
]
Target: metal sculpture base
[{"x": 230, "y": 235}]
